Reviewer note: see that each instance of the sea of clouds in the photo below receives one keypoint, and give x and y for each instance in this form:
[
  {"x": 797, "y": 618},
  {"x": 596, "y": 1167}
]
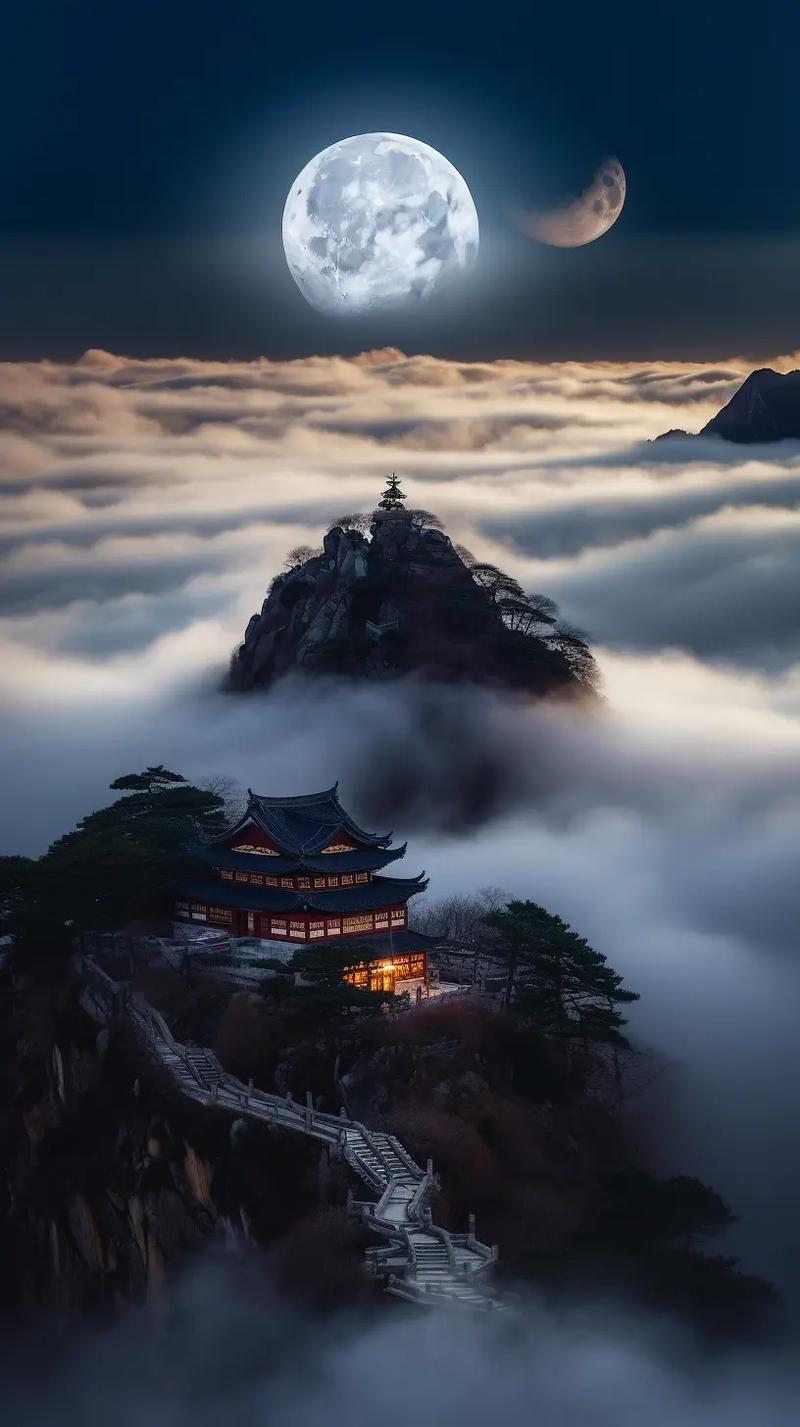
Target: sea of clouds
[{"x": 146, "y": 506}]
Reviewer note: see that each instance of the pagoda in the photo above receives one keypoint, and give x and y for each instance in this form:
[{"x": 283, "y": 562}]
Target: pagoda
[
  {"x": 301, "y": 870},
  {"x": 393, "y": 496}
]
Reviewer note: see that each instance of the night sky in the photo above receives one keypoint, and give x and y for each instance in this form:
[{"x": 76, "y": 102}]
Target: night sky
[{"x": 148, "y": 151}]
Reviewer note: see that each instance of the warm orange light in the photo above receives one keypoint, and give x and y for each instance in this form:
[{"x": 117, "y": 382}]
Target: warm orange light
[{"x": 387, "y": 966}]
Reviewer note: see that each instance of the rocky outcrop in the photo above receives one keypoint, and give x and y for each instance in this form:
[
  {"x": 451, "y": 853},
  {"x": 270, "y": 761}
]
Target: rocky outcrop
[
  {"x": 111, "y": 1181},
  {"x": 400, "y": 600},
  {"x": 765, "y": 408}
]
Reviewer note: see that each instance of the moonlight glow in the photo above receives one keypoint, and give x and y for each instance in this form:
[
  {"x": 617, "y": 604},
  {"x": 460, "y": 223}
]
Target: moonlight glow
[{"x": 375, "y": 220}]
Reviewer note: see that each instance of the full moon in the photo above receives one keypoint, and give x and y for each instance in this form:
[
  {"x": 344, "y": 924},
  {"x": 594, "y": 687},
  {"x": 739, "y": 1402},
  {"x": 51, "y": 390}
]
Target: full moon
[
  {"x": 375, "y": 220},
  {"x": 587, "y": 218}
]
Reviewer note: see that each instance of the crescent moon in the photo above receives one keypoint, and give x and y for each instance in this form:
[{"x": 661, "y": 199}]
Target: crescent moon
[{"x": 587, "y": 218}]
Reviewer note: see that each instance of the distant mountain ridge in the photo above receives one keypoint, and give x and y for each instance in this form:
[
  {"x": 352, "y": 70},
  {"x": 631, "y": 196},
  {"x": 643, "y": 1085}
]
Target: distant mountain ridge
[{"x": 765, "y": 408}]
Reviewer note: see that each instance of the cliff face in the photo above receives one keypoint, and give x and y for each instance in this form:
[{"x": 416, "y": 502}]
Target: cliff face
[
  {"x": 397, "y": 602},
  {"x": 111, "y": 1181},
  {"x": 766, "y": 407}
]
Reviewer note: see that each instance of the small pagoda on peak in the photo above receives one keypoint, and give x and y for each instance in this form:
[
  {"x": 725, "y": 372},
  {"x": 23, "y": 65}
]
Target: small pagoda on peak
[
  {"x": 299, "y": 869},
  {"x": 391, "y": 501}
]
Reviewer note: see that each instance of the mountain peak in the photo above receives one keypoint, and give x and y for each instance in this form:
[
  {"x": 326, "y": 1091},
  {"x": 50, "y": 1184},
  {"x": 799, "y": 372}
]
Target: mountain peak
[
  {"x": 766, "y": 407},
  {"x": 391, "y": 595}
]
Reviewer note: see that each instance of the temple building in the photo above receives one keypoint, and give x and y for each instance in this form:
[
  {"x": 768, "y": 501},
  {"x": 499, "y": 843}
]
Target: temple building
[{"x": 301, "y": 870}]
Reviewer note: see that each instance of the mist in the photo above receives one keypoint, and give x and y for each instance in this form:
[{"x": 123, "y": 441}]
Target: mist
[
  {"x": 146, "y": 506},
  {"x": 675, "y": 857},
  {"x": 229, "y": 1351}
]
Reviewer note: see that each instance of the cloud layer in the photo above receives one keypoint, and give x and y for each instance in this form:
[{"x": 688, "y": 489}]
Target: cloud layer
[
  {"x": 132, "y": 491},
  {"x": 146, "y": 505}
]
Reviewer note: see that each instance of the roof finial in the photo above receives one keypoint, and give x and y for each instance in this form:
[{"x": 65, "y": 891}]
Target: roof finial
[{"x": 393, "y": 496}]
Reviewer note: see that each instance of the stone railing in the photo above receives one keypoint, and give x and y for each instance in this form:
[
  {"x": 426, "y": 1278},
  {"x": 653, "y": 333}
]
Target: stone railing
[{"x": 421, "y": 1261}]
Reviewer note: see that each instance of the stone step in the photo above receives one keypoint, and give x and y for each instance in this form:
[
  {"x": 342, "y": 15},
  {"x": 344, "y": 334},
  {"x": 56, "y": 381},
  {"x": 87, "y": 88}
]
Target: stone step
[{"x": 379, "y": 1159}]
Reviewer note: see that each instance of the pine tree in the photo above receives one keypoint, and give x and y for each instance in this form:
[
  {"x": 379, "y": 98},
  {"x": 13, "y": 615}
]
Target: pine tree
[
  {"x": 393, "y": 496},
  {"x": 152, "y": 780},
  {"x": 120, "y": 861},
  {"x": 554, "y": 976}
]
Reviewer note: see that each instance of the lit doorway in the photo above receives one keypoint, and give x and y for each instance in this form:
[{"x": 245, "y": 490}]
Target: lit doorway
[{"x": 382, "y": 977}]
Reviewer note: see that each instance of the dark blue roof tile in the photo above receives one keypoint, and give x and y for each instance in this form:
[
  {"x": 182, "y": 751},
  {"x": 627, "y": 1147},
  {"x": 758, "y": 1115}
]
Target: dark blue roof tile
[{"x": 304, "y": 825}]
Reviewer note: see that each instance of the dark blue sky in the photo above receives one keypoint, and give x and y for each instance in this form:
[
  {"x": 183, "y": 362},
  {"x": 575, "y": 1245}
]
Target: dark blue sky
[{"x": 147, "y": 151}]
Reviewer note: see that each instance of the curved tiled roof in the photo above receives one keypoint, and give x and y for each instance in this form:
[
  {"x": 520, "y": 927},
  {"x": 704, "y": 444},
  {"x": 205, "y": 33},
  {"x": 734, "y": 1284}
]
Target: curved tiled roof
[
  {"x": 331, "y": 863},
  {"x": 304, "y": 825},
  {"x": 371, "y": 946}
]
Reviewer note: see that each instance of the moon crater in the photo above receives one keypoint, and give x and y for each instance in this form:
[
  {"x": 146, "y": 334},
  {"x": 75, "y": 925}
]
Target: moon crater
[
  {"x": 587, "y": 218},
  {"x": 376, "y": 219}
]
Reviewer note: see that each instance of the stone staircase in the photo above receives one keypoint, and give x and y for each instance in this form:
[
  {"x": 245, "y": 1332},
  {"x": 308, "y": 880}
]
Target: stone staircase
[
  {"x": 203, "y": 1065},
  {"x": 418, "y": 1260}
]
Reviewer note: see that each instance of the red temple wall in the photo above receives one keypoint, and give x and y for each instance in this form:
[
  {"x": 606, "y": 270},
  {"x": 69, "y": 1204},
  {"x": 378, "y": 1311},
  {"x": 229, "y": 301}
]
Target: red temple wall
[
  {"x": 251, "y": 836},
  {"x": 292, "y": 927}
]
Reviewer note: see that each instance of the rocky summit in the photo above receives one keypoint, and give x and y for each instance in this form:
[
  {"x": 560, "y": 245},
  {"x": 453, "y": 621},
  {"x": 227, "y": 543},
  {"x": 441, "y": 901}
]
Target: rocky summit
[
  {"x": 395, "y": 597},
  {"x": 766, "y": 407}
]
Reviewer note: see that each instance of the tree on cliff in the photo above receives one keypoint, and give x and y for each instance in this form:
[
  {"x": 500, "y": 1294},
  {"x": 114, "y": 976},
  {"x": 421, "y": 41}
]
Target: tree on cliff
[
  {"x": 554, "y": 976},
  {"x": 358, "y": 520},
  {"x": 120, "y": 862},
  {"x": 648, "y": 1234},
  {"x": 635, "y": 1209},
  {"x": 155, "y": 779},
  {"x": 300, "y": 555},
  {"x": 16, "y": 878},
  {"x": 458, "y": 919}
]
